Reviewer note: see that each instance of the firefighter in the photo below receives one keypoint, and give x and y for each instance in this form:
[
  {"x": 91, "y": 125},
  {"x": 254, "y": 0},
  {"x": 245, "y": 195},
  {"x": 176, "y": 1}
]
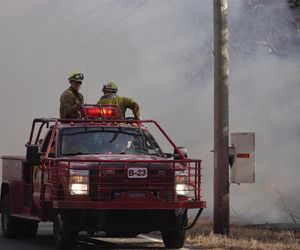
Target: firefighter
[
  {"x": 71, "y": 99},
  {"x": 110, "y": 97}
]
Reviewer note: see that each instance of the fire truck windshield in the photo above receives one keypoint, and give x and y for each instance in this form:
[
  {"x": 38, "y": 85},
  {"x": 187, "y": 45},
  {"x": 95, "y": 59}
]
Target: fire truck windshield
[{"x": 107, "y": 140}]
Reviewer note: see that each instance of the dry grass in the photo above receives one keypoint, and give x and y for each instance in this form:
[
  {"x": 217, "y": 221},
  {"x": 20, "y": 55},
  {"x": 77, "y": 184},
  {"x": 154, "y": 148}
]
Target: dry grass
[{"x": 242, "y": 237}]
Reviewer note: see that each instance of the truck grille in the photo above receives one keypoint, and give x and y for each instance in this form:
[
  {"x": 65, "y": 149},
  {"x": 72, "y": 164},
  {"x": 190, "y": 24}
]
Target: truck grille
[{"x": 111, "y": 180}]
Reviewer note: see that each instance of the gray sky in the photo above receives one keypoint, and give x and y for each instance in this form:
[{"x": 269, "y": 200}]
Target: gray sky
[{"x": 160, "y": 53}]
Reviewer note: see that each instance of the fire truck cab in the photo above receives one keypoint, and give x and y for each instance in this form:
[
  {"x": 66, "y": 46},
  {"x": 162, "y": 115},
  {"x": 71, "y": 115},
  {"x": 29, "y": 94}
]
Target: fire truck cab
[{"x": 99, "y": 174}]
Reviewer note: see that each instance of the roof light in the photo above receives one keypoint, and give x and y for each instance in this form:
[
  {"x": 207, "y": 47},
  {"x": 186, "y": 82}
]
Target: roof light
[
  {"x": 96, "y": 112},
  {"x": 109, "y": 112},
  {"x": 92, "y": 112}
]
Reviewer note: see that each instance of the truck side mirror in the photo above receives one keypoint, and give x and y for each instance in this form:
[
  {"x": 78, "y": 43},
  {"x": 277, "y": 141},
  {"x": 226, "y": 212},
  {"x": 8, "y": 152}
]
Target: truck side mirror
[
  {"x": 183, "y": 151},
  {"x": 32, "y": 155}
]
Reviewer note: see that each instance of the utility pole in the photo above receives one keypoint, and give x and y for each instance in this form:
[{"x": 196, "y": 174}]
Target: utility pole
[{"x": 221, "y": 118}]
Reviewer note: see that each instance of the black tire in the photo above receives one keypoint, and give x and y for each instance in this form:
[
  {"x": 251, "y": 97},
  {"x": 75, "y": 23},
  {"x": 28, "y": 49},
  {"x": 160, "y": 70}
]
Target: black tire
[
  {"x": 175, "y": 238},
  {"x": 64, "y": 236},
  {"x": 29, "y": 229},
  {"x": 9, "y": 224}
]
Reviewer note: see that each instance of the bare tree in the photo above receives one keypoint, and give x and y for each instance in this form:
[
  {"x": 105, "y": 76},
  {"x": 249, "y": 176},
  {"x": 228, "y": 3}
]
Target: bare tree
[{"x": 289, "y": 205}]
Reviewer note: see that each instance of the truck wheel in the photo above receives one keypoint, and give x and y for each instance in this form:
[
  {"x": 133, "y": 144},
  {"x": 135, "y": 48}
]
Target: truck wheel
[
  {"x": 64, "y": 237},
  {"x": 175, "y": 238},
  {"x": 29, "y": 229},
  {"x": 9, "y": 224}
]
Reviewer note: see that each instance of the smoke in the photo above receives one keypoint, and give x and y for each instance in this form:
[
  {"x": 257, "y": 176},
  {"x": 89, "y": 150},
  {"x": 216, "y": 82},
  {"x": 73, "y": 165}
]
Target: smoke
[
  {"x": 264, "y": 87},
  {"x": 160, "y": 53}
]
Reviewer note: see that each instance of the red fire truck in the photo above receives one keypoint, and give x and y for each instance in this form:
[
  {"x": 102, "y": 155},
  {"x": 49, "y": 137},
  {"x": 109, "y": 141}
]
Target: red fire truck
[{"x": 99, "y": 174}]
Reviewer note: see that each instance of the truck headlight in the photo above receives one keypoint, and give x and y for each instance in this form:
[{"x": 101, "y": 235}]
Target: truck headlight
[
  {"x": 79, "y": 182},
  {"x": 182, "y": 187}
]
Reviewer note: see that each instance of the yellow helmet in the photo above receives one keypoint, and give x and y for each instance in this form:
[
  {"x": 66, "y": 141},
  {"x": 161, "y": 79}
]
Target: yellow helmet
[
  {"x": 76, "y": 76},
  {"x": 110, "y": 87}
]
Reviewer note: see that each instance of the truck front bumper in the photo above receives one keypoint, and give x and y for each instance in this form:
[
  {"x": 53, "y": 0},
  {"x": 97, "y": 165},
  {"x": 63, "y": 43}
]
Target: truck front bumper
[{"x": 128, "y": 205}]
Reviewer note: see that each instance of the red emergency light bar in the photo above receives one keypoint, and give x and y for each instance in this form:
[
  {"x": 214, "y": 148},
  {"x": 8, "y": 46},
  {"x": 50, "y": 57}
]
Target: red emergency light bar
[
  {"x": 92, "y": 112},
  {"x": 96, "y": 112},
  {"x": 109, "y": 112}
]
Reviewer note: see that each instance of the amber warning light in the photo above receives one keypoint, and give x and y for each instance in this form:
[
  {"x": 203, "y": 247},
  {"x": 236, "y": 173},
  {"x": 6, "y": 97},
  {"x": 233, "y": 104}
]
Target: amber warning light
[{"x": 94, "y": 112}]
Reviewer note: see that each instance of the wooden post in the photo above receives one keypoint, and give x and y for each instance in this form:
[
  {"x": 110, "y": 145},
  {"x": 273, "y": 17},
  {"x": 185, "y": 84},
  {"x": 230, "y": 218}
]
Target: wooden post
[{"x": 221, "y": 118}]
